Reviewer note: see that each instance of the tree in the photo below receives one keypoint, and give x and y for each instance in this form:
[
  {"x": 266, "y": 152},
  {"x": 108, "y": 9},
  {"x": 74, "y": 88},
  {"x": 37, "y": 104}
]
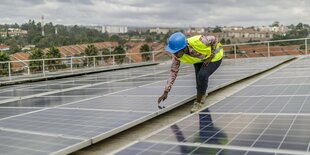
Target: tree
[
  {"x": 148, "y": 39},
  {"x": 105, "y": 52},
  {"x": 36, "y": 65},
  {"x": 4, "y": 66},
  {"x": 276, "y": 24},
  {"x": 119, "y": 59},
  {"x": 217, "y": 29},
  {"x": 14, "y": 47},
  {"x": 223, "y": 41},
  {"x": 228, "y": 41},
  {"x": 53, "y": 53},
  {"x": 144, "y": 49},
  {"x": 90, "y": 50}
]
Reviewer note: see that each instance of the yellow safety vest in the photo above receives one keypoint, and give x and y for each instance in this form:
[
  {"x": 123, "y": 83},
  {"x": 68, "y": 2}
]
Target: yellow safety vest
[{"x": 201, "y": 48}]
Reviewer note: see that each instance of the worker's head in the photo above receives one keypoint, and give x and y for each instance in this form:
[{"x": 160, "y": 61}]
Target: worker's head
[{"x": 176, "y": 43}]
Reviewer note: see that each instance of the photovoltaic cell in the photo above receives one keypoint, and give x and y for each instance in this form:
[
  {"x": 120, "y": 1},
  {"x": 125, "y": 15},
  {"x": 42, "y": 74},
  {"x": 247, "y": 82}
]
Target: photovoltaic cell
[
  {"x": 74, "y": 122},
  {"x": 14, "y": 143},
  {"x": 132, "y": 103},
  {"x": 152, "y": 148},
  {"x": 44, "y": 101},
  {"x": 271, "y": 104},
  {"x": 254, "y": 131},
  {"x": 6, "y": 112}
]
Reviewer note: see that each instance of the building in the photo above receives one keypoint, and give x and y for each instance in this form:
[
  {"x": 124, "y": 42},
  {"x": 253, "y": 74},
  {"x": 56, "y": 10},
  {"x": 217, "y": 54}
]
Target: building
[
  {"x": 13, "y": 32},
  {"x": 4, "y": 48},
  {"x": 198, "y": 30},
  {"x": 159, "y": 30},
  {"x": 114, "y": 29}
]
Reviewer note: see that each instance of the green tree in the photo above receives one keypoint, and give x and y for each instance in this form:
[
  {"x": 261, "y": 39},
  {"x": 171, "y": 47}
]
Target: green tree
[
  {"x": 105, "y": 52},
  {"x": 148, "y": 39},
  {"x": 4, "y": 66},
  {"x": 144, "y": 49},
  {"x": 217, "y": 29},
  {"x": 118, "y": 39},
  {"x": 119, "y": 59},
  {"x": 36, "y": 65},
  {"x": 228, "y": 41},
  {"x": 90, "y": 50},
  {"x": 14, "y": 47},
  {"x": 223, "y": 41},
  {"x": 53, "y": 53}
]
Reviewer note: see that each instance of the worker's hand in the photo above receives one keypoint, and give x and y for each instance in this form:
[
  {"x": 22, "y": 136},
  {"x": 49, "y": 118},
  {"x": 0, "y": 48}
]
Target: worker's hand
[
  {"x": 206, "y": 62},
  {"x": 163, "y": 97}
]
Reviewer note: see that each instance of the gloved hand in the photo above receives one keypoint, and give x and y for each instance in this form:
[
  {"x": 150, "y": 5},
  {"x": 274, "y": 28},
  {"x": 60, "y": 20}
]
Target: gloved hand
[
  {"x": 206, "y": 62},
  {"x": 163, "y": 97}
]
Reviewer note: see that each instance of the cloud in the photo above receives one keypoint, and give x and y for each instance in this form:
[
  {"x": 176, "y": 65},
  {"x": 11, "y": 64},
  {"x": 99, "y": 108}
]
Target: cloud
[{"x": 174, "y": 13}]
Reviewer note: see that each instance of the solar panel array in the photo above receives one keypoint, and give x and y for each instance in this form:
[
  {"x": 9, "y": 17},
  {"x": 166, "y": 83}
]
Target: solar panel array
[
  {"x": 269, "y": 117},
  {"x": 79, "y": 111}
]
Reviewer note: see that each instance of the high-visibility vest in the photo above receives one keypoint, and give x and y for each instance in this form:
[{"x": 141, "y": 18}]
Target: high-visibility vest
[{"x": 201, "y": 48}]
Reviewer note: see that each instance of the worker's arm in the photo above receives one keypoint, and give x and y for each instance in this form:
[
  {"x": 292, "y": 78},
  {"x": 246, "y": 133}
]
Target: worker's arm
[
  {"x": 209, "y": 41},
  {"x": 172, "y": 76}
]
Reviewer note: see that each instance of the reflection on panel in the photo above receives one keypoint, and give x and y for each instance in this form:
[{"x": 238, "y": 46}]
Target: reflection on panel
[
  {"x": 254, "y": 131},
  {"x": 152, "y": 148},
  {"x": 264, "y": 104}
]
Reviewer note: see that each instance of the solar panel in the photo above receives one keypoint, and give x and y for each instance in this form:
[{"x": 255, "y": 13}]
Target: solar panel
[
  {"x": 44, "y": 101},
  {"x": 18, "y": 143},
  {"x": 7, "y": 112},
  {"x": 270, "y": 116},
  {"x": 98, "y": 120},
  {"x": 155, "y": 148},
  {"x": 72, "y": 122}
]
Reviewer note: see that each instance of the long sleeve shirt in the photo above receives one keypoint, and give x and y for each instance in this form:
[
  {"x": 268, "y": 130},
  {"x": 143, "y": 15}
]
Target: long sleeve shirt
[{"x": 174, "y": 69}]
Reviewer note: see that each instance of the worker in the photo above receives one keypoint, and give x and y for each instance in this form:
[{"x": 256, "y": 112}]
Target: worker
[{"x": 205, "y": 52}]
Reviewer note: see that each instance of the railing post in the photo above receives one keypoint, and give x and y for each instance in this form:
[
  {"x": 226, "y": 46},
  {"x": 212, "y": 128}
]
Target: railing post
[
  {"x": 129, "y": 58},
  {"x": 94, "y": 59},
  {"x": 153, "y": 56},
  {"x": 235, "y": 51},
  {"x": 71, "y": 64},
  {"x": 306, "y": 47},
  {"x": 10, "y": 76},
  {"x": 28, "y": 68},
  {"x": 43, "y": 67},
  {"x": 268, "y": 49},
  {"x": 113, "y": 60}
]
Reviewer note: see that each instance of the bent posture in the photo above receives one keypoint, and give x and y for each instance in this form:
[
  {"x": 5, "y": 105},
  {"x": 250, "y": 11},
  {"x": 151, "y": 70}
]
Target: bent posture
[{"x": 204, "y": 52}]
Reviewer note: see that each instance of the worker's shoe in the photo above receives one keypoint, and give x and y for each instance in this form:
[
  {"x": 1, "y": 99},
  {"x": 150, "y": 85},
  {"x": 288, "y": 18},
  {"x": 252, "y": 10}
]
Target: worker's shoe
[
  {"x": 196, "y": 107},
  {"x": 203, "y": 99}
]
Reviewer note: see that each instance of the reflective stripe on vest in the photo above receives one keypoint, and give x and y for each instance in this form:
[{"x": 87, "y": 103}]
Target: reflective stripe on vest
[{"x": 201, "y": 48}]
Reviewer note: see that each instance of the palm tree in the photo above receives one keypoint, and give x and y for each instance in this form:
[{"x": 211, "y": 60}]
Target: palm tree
[
  {"x": 53, "y": 53},
  {"x": 4, "y": 66},
  {"x": 36, "y": 53},
  {"x": 143, "y": 50},
  {"x": 119, "y": 59},
  {"x": 91, "y": 50}
]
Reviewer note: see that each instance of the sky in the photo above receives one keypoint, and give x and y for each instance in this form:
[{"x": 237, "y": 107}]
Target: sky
[{"x": 162, "y": 13}]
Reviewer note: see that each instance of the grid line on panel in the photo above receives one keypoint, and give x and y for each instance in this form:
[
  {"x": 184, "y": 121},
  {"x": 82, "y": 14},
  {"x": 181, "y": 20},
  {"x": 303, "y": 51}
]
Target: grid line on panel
[{"x": 233, "y": 138}]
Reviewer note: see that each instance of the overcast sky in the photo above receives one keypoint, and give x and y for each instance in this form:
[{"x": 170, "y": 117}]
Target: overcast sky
[{"x": 170, "y": 13}]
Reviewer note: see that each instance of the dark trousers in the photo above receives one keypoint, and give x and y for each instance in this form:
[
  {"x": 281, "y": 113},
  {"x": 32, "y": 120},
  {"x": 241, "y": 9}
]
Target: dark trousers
[{"x": 203, "y": 73}]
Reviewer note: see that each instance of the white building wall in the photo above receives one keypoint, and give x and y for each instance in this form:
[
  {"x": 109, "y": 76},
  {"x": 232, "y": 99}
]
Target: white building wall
[{"x": 114, "y": 29}]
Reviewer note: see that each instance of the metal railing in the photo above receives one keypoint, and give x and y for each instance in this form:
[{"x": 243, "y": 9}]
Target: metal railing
[
  {"x": 11, "y": 70},
  {"x": 267, "y": 48}
]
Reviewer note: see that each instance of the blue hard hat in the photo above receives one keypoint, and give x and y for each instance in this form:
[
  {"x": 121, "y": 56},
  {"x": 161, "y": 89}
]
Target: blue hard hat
[{"x": 176, "y": 42}]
